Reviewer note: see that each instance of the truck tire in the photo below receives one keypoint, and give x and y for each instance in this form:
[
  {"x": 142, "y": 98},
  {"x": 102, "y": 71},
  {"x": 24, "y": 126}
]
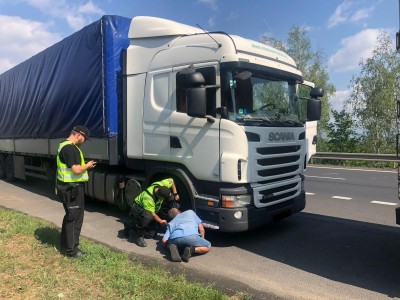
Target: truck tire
[
  {"x": 2, "y": 166},
  {"x": 9, "y": 168},
  {"x": 185, "y": 199}
]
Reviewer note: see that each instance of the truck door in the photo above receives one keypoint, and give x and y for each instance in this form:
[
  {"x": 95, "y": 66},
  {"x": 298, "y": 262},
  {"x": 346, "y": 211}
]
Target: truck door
[
  {"x": 195, "y": 141},
  {"x": 311, "y": 126},
  {"x": 311, "y": 138},
  {"x": 156, "y": 113}
]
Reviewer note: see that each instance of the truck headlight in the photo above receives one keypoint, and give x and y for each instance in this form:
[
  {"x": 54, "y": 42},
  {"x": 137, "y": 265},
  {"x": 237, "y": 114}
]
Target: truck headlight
[{"x": 231, "y": 201}]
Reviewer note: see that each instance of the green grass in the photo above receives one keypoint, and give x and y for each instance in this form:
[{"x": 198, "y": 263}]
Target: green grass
[{"x": 32, "y": 268}]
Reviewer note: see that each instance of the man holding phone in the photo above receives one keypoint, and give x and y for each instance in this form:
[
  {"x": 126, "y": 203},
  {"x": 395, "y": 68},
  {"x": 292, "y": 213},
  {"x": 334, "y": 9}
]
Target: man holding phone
[{"x": 71, "y": 177}]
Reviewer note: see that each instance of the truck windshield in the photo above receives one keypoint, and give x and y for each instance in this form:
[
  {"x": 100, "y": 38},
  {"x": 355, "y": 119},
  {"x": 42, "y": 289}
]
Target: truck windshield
[{"x": 253, "y": 96}]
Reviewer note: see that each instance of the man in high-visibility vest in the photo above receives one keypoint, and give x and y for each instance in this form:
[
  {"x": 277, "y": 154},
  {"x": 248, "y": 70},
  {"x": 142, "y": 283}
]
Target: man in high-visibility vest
[
  {"x": 71, "y": 177},
  {"x": 150, "y": 209}
]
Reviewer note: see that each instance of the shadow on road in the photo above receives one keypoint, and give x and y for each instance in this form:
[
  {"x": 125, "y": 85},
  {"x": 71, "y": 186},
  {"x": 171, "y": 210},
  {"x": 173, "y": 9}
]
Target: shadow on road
[{"x": 352, "y": 252}]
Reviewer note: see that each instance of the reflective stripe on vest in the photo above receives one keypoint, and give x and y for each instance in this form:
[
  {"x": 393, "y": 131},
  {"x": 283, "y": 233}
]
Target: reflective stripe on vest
[{"x": 64, "y": 173}]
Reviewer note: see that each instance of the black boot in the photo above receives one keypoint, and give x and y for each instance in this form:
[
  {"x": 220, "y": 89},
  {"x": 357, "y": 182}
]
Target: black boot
[
  {"x": 141, "y": 242},
  {"x": 140, "y": 237},
  {"x": 137, "y": 238},
  {"x": 128, "y": 226},
  {"x": 150, "y": 234},
  {"x": 173, "y": 249},
  {"x": 132, "y": 236},
  {"x": 187, "y": 253}
]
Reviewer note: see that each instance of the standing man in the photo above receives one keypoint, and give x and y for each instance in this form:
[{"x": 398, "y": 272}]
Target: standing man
[
  {"x": 71, "y": 177},
  {"x": 151, "y": 208},
  {"x": 185, "y": 231}
]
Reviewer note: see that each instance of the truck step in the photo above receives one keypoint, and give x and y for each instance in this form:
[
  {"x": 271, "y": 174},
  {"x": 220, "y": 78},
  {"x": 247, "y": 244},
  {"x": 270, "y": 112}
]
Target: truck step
[{"x": 210, "y": 225}]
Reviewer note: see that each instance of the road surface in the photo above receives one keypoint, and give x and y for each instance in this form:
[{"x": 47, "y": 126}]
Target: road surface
[{"x": 344, "y": 245}]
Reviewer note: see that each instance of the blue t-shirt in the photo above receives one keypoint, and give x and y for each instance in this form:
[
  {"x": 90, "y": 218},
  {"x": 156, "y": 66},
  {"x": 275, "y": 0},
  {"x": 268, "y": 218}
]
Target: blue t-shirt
[{"x": 184, "y": 224}]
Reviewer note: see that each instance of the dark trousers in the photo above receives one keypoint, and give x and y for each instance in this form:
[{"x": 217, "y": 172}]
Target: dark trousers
[
  {"x": 143, "y": 220},
  {"x": 73, "y": 200}
]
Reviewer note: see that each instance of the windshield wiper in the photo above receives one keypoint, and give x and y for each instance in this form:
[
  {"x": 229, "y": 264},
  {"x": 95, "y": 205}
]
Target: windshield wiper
[
  {"x": 291, "y": 123},
  {"x": 259, "y": 120}
]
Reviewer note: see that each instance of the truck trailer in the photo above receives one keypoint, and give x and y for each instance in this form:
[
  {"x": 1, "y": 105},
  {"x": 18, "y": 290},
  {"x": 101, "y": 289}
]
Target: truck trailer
[{"x": 218, "y": 113}]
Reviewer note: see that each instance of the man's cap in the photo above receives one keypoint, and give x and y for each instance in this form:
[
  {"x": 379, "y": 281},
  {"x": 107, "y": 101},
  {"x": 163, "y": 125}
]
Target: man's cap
[
  {"x": 82, "y": 130},
  {"x": 163, "y": 191}
]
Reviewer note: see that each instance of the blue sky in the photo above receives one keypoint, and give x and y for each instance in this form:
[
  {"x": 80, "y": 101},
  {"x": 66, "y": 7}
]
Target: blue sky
[{"x": 345, "y": 30}]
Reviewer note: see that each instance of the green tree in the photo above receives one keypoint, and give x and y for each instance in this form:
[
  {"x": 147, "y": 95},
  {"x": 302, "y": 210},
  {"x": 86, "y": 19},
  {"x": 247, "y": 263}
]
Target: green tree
[
  {"x": 342, "y": 136},
  {"x": 373, "y": 97},
  {"x": 313, "y": 66}
]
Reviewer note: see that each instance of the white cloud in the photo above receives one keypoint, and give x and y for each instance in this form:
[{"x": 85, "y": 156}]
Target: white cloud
[
  {"x": 344, "y": 13},
  {"x": 76, "y": 16},
  {"x": 340, "y": 15},
  {"x": 90, "y": 8},
  {"x": 211, "y": 21},
  {"x": 5, "y": 64},
  {"x": 21, "y": 39},
  {"x": 211, "y": 3},
  {"x": 353, "y": 50},
  {"x": 232, "y": 16},
  {"x": 338, "y": 99},
  {"x": 361, "y": 14}
]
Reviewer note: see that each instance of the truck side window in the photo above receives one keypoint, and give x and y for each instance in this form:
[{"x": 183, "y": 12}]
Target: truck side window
[{"x": 209, "y": 74}]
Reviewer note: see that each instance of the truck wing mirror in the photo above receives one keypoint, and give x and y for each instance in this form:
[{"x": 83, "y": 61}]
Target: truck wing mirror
[
  {"x": 243, "y": 75},
  {"x": 196, "y": 102},
  {"x": 223, "y": 111},
  {"x": 398, "y": 107},
  {"x": 398, "y": 41},
  {"x": 314, "y": 109},
  {"x": 191, "y": 78},
  {"x": 317, "y": 92}
]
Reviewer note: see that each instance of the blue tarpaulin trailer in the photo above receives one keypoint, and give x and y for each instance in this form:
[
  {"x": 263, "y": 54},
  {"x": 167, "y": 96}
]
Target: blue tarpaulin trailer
[{"x": 76, "y": 81}]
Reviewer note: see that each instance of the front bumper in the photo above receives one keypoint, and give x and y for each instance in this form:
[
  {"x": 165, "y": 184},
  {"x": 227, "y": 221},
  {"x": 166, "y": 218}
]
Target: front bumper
[{"x": 224, "y": 219}]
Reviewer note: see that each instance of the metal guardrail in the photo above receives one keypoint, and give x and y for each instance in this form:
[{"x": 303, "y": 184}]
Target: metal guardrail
[{"x": 356, "y": 156}]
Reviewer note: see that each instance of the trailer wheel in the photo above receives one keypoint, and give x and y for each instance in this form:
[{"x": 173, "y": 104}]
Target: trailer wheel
[
  {"x": 9, "y": 168},
  {"x": 2, "y": 166},
  {"x": 132, "y": 190}
]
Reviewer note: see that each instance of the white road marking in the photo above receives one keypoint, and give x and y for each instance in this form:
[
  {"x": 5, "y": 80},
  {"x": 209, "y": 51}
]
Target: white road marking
[
  {"x": 341, "y": 198},
  {"x": 333, "y": 178},
  {"x": 310, "y": 194},
  {"x": 362, "y": 170},
  {"x": 384, "y": 203}
]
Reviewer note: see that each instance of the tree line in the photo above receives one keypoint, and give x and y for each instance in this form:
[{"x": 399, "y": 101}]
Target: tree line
[{"x": 367, "y": 122}]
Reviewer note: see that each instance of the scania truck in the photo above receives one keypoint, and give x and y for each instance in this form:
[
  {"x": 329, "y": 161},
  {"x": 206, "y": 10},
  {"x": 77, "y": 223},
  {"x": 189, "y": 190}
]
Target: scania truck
[{"x": 218, "y": 113}]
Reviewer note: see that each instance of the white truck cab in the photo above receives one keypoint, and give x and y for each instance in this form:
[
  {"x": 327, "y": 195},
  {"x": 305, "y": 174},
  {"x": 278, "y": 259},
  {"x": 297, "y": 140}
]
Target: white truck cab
[{"x": 221, "y": 113}]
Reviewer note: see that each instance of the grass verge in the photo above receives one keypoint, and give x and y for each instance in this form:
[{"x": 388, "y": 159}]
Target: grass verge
[{"x": 32, "y": 268}]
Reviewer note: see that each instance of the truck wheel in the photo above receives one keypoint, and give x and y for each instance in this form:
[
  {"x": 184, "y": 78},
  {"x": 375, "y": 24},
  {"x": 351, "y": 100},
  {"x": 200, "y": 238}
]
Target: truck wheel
[
  {"x": 185, "y": 199},
  {"x": 2, "y": 166},
  {"x": 9, "y": 168}
]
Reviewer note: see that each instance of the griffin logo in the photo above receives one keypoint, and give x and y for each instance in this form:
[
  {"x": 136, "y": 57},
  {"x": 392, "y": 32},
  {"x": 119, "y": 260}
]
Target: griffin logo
[{"x": 281, "y": 136}]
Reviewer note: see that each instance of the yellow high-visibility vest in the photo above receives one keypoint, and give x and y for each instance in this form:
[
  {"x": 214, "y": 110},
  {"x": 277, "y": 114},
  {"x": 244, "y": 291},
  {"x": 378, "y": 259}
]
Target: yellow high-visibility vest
[{"x": 64, "y": 173}]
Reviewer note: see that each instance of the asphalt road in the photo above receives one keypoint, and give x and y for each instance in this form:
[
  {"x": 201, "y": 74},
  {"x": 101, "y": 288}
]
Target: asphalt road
[{"x": 344, "y": 245}]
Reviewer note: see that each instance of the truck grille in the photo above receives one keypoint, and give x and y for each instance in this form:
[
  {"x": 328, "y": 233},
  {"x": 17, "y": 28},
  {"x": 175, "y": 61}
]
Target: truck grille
[
  {"x": 278, "y": 193},
  {"x": 276, "y": 166}
]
